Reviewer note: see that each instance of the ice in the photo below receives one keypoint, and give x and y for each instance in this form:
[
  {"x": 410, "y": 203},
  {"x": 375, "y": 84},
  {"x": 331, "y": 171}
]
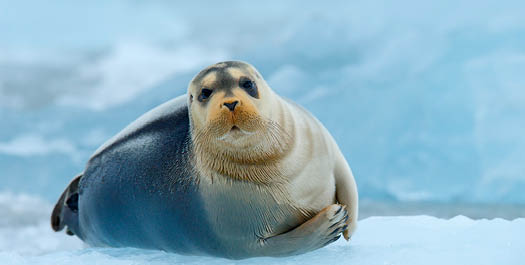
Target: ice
[
  {"x": 106, "y": 78},
  {"x": 26, "y": 238},
  {"x": 426, "y": 100},
  {"x": 29, "y": 145}
]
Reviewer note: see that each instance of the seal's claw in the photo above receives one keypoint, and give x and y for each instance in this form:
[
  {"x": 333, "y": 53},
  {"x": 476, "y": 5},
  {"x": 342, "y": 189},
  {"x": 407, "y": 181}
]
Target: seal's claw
[
  {"x": 346, "y": 235},
  {"x": 339, "y": 210}
]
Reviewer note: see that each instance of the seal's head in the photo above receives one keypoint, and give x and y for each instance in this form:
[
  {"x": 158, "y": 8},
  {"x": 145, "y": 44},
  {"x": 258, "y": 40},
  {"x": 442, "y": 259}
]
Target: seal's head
[
  {"x": 231, "y": 109},
  {"x": 228, "y": 99}
]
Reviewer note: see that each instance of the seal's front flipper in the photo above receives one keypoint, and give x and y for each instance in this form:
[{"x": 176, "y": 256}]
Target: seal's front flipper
[
  {"x": 66, "y": 209},
  {"x": 321, "y": 230},
  {"x": 346, "y": 193}
]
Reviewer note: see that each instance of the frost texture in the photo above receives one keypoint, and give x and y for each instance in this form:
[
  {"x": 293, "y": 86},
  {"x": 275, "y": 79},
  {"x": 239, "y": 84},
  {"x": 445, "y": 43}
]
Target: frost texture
[
  {"x": 26, "y": 238},
  {"x": 425, "y": 99}
]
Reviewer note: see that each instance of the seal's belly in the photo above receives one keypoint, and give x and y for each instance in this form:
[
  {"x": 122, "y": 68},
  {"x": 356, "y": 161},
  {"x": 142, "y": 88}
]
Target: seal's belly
[{"x": 241, "y": 213}]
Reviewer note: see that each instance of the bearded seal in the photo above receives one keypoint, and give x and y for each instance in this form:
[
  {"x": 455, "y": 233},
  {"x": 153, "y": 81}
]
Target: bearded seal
[{"x": 230, "y": 169}]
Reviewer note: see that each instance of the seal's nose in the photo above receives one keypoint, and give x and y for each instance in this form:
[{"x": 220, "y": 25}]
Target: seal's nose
[{"x": 231, "y": 105}]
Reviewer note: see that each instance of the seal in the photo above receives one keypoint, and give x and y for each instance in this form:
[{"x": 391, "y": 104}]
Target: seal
[{"x": 230, "y": 169}]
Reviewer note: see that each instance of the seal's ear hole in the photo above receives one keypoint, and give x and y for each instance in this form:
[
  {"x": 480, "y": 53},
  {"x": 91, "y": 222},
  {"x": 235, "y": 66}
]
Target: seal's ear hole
[{"x": 191, "y": 98}]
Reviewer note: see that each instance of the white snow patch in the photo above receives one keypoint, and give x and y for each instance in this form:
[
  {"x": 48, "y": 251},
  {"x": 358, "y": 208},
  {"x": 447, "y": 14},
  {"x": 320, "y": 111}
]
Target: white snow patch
[{"x": 25, "y": 229}]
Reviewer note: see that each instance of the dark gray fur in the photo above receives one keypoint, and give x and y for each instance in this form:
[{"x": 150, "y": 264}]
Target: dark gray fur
[{"x": 139, "y": 189}]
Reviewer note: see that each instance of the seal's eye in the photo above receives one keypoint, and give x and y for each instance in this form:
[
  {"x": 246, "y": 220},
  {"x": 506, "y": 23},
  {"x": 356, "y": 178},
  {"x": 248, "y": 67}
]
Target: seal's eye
[
  {"x": 249, "y": 86},
  {"x": 205, "y": 94}
]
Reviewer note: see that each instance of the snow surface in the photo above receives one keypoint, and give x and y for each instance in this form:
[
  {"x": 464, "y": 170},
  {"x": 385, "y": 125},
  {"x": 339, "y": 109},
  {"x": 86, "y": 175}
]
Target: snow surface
[{"x": 26, "y": 238}]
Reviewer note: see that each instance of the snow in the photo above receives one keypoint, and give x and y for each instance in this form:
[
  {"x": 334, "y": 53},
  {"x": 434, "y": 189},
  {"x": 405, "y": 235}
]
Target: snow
[{"x": 26, "y": 238}]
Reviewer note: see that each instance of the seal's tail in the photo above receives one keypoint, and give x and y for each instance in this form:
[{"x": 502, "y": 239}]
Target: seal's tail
[{"x": 66, "y": 209}]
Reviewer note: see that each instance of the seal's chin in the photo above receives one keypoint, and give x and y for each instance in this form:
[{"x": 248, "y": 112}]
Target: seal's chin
[{"x": 235, "y": 134}]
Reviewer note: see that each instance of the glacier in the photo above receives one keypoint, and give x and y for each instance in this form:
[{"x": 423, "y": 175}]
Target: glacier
[
  {"x": 26, "y": 238},
  {"x": 426, "y": 100}
]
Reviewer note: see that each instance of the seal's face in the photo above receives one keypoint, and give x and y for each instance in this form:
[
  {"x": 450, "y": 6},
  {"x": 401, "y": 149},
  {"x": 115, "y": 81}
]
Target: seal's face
[
  {"x": 227, "y": 100},
  {"x": 235, "y": 129}
]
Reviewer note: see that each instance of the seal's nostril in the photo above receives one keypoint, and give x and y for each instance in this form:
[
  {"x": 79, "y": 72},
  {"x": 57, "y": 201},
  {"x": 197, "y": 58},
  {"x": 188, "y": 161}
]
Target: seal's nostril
[{"x": 231, "y": 105}]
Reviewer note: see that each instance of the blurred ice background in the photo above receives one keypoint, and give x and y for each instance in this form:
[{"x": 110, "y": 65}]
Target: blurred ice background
[{"x": 426, "y": 99}]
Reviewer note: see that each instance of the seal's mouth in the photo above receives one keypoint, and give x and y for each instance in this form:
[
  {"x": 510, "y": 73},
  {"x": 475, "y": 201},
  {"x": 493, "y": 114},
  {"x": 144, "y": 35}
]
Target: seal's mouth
[{"x": 235, "y": 133}]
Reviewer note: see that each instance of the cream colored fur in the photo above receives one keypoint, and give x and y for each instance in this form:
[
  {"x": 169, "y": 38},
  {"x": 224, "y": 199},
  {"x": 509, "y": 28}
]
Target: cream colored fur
[{"x": 280, "y": 153}]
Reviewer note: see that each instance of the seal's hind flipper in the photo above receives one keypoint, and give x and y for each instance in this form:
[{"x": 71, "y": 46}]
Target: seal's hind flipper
[{"x": 66, "y": 209}]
